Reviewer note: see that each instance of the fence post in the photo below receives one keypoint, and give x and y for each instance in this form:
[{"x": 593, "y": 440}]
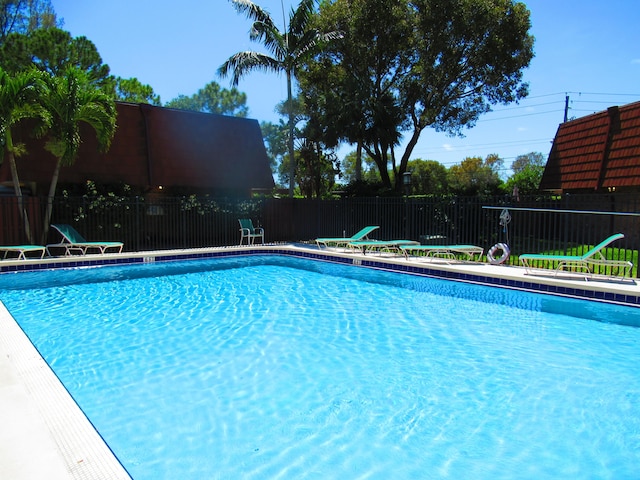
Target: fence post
[{"x": 566, "y": 223}]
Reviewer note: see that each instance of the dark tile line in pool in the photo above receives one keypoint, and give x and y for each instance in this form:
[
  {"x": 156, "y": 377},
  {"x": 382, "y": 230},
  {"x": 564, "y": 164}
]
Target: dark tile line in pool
[
  {"x": 631, "y": 300},
  {"x": 68, "y": 264}
]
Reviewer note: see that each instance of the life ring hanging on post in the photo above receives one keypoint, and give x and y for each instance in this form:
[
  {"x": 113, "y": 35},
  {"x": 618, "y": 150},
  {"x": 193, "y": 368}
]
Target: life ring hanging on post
[{"x": 491, "y": 254}]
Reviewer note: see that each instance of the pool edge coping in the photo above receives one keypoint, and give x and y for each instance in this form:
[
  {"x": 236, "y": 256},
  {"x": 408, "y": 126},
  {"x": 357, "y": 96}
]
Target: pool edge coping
[
  {"x": 82, "y": 451},
  {"x": 623, "y": 292}
]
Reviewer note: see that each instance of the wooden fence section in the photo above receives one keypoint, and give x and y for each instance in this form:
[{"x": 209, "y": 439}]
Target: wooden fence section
[{"x": 536, "y": 224}]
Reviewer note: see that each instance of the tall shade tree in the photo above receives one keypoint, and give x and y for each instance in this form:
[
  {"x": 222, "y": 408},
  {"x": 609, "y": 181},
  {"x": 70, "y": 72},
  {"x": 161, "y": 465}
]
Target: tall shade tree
[
  {"x": 18, "y": 101},
  {"x": 213, "y": 99},
  {"x": 428, "y": 177},
  {"x": 134, "y": 91},
  {"x": 52, "y": 50},
  {"x": 72, "y": 100},
  {"x": 23, "y": 16},
  {"x": 406, "y": 65},
  {"x": 475, "y": 176},
  {"x": 288, "y": 49}
]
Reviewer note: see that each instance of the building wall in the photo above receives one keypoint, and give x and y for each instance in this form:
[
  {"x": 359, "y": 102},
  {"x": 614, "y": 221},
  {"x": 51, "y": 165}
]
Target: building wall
[{"x": 184, "y": 152}]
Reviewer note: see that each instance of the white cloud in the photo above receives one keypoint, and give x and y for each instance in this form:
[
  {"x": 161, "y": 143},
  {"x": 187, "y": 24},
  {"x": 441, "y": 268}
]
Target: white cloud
[
  {"x": 448, "y": 147},
  {"x": 635, "y": 61}
]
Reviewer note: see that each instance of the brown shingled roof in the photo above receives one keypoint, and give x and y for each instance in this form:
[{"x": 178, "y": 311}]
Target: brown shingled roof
[
  {"x": 155, "y": 146},
  {"x": 598, "y": 152}
]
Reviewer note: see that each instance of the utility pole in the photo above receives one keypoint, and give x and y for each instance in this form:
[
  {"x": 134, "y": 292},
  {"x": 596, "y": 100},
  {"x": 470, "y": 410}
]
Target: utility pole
[{"x": 566, "y": 108}]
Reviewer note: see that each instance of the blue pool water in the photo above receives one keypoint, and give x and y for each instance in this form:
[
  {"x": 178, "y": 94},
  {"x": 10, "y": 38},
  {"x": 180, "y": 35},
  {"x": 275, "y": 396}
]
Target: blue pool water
[{"x": 275, "y": 368}]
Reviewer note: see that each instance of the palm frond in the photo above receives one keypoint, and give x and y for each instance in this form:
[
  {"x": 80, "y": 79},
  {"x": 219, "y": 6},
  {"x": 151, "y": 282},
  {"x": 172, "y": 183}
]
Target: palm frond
[
  {"x": 243, "y": 63},
  {"x": 300, "y": 18},
  {"x": 73, "y": 100},
  {"x": 273, "y": 40},
  {"x": 253, "y": 11}
]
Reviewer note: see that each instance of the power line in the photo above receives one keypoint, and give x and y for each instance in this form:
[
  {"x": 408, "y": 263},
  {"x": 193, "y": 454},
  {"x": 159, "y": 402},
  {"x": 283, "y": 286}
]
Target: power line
[
  {"x": 461, "y": 150},
  {"x": 608, "y": 94},
  {"x": 518, "y": 116},
  {"x": 519, "y": 107}
]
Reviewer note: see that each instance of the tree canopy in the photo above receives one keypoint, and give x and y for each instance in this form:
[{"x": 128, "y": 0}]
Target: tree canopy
[
  {"x": 52, "y": 50},
  {"x": 402, "y": 66},
  {"x": 527, "y": 173},
  {"x": 475, "y": 176},
  {"x": 428, "y": 177},
  {"x": 213, "y": 99},
  {"x": 531, "y": 159},
  {"x": 132, "y": 90},
  {"x": 24, "y": 16}
]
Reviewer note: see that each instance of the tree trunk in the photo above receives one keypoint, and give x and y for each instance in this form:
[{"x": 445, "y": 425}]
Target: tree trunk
[
  {"x": 359, "y": 161},
  {"x": 292, "y": 159},
  {"x": 52, "y": 194},
  {"x": 18, "y": 191},
  {"x": 415, "y": 136}
]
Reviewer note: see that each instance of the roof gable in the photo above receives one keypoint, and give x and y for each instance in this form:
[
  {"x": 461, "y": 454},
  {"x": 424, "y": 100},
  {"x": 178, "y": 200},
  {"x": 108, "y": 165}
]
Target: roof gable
[
  {"x": 596, "y": 152},
  {"x": 155, "y": 146}
]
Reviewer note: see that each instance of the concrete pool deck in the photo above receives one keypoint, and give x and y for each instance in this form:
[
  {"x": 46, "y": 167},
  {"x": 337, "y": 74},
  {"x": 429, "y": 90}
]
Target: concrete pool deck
[{"x": 44, "y": 433}]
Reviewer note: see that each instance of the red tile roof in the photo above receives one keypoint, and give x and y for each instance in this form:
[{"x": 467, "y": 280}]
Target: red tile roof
[{"x": 596, "y": 153}]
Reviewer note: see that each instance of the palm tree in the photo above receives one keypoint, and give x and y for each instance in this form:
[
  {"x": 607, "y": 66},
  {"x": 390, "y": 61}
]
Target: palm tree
[
  {"x": 71, "y": 100},
  {"x": 288, "y": 51},
  {"x": 19, "y": 94}
]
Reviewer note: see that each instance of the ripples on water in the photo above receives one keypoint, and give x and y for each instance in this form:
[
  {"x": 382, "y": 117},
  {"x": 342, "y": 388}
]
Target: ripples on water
[{"x": 295, "y": 369}]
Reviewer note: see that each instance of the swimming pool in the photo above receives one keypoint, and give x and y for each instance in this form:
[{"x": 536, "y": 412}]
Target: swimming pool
[{"x": 272, "y": 367}]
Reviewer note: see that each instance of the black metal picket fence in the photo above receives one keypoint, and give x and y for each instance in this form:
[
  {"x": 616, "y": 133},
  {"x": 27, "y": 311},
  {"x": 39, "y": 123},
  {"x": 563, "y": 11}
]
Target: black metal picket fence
[{"x": 536, "y": 224}]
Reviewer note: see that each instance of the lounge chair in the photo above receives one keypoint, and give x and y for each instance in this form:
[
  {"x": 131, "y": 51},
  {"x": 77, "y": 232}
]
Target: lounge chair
[
  {"x": 585, "y": 262},
  {"x": 344, "y": 241},
  {"x": 248, "y": 231},
  {"x": 21, "y": 251},
  {"x": 72, "y": 241},
  {"x": 444, "y": 251},
  {"x": 393, "y": 246}
]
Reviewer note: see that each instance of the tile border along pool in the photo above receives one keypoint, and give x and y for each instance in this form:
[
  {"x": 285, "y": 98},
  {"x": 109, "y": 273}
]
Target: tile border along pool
[{"x": 46, "y": 435}]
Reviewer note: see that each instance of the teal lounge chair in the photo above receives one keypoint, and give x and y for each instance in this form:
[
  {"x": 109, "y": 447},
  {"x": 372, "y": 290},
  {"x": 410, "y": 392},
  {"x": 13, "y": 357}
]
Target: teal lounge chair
[
  {"x": 248, "y": 231},
  {"x": 72, "y": 241},
  {"x": 344, "y": 241},
  {"x": 21, "y": 251},
  {"x": 445, "y": 251},
  {"x": 392, "y": 246},
  {"x": 585, "y": 262}
]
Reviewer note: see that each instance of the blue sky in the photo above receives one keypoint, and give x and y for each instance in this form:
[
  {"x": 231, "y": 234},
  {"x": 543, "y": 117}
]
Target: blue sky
[{"x": 586, "y": 49}]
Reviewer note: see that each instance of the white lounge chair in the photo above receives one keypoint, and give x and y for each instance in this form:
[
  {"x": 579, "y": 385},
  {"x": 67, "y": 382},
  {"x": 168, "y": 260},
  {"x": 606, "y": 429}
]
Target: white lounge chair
[
  {"x": 381, "y": 245},
  {"x": 344, "y": 241},
  {"x": 594, "y": 257},
  {"x": 72, "y": 241},
  {"x": 444, "y": 251},
  {"x": 21, "y": 251}
]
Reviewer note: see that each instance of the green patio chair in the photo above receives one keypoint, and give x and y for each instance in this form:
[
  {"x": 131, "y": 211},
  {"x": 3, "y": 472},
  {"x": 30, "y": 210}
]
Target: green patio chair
[{"x": 248, "y": 231}]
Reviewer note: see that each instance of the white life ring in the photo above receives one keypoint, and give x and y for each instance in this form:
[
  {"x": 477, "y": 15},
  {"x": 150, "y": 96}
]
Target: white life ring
[{"x": 491, "y": 254}]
